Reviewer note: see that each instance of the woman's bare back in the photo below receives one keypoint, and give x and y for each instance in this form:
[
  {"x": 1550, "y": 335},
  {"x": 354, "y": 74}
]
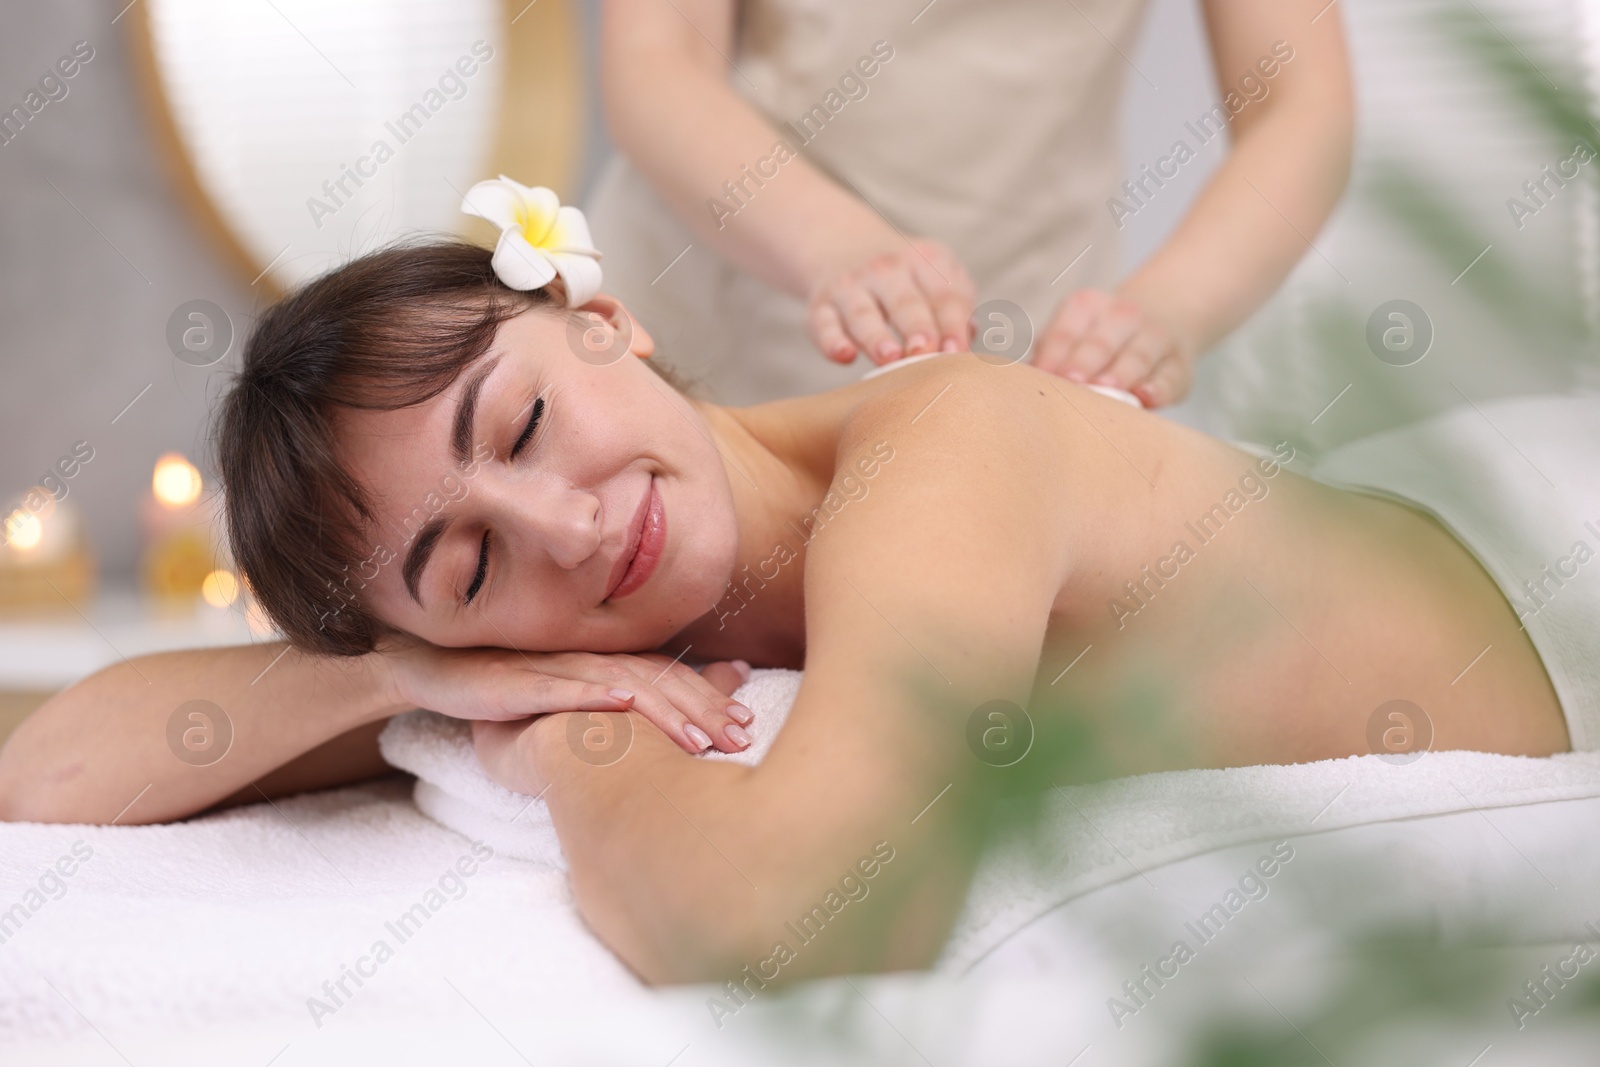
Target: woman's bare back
[{"x": 1211, "y": 607}]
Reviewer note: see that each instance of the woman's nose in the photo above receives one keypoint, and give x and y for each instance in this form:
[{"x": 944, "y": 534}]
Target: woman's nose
[{"x": 555, "y": 517}]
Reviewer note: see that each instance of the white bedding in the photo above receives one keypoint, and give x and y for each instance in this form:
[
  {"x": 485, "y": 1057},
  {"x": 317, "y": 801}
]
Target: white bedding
[
  {"x": 201, "y": 943},
  {"x": 1098, "y": 834},
  {"x": 208, "y": 940}
]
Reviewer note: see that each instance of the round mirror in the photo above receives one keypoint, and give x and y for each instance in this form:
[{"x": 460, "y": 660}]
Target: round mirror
[{"x": 303, "y": 132}]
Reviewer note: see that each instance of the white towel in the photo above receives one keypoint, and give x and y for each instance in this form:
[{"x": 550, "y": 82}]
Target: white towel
[
  {"x": 1098, "y": 834},
  {"x": 453, "y": 790}
]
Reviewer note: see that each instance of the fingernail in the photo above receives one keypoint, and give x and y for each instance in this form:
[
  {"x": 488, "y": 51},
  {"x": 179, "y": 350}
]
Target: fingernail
[
  {"x": 743, "y": 668},
  {"x": 950, "y": 345},
  {"x": 739, "y": 713},
  {"x": 918, "y": 343},
  {"x": 697, "y": 737},
  {"x": 1074, "y": 374},
  {"x": 888, "y": 350},
  {"x": 619, "y": 694},
  {"x": 737, "y": 736}
]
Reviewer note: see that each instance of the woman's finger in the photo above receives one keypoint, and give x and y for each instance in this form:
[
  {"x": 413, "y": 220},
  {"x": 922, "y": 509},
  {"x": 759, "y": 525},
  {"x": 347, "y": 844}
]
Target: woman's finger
[
  {"x": 909, "y": 311},
  {"x": 827, "y": 331},
  {"x": 524, "y": 690},
  {"x": 716, "y": 716},
  {"x": 726, "y": 676},
  {"x": 656, "y": 706},
  {"x": 619, "y": 674}
]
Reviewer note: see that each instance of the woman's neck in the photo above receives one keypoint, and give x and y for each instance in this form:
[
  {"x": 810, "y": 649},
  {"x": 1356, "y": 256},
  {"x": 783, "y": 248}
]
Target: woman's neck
[{"x": 779, "y": 463}]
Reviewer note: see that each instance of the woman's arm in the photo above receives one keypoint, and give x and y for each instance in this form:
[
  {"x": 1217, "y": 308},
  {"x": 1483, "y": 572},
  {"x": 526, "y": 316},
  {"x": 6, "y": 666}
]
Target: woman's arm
[
  {"x": 695, "y": 870},
  {"x": 166, "y": 736},
  {"x": 106, "y": 749},
  {"x": 664, "y": 77},
  {"x": 1254, "y": 220}
]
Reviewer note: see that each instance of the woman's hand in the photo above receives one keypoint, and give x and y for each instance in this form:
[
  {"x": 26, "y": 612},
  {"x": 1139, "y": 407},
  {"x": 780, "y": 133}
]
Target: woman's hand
[
  {"x": 911, "y": 300},
  {"x": 692, "y": 708},
  {"x": 1105, "y": 338},
  {"x": 508, "y": 750}
]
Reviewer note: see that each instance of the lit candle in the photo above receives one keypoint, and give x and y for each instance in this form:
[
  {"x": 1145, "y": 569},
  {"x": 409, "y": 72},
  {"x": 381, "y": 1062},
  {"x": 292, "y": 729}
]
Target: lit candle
[
  {"x": 180, "y": 552},
  {"x": 45, "y": 556}
]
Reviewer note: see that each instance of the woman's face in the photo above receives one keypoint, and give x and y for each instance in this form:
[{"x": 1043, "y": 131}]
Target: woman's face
[{"x": 525, "y": 505}]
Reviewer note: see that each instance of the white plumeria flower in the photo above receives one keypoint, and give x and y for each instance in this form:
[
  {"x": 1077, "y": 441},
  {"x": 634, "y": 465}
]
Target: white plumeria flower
[{"x": 539, "y": 238}]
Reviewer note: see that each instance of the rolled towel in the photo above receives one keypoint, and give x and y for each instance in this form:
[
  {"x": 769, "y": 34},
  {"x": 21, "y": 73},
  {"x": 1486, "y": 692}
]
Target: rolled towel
[{"x": 452, "y": 788}]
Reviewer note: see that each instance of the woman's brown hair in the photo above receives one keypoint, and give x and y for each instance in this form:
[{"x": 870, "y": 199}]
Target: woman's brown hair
[{"x": 385, "y": 331}]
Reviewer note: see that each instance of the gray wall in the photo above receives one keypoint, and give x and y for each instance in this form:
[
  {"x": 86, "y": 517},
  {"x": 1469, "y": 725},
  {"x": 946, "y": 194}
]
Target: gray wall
[{"x": 96, "y": 253}]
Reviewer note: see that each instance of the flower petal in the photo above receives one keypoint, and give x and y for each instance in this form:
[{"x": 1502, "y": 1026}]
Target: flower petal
[
  {"x": 570, "y": 234},
  {"x": 536, "y": 214},
  {"x": 497, "y": 201},
  {"x": 520, "y": 265},
  {"x": 581, "y": 276}
]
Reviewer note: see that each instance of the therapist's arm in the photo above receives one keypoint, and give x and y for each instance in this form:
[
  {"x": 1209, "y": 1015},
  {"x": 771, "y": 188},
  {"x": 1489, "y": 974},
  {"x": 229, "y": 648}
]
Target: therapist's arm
[
  {"x": 1254, "y": 220},
  {"x": 665, "y": 70}
]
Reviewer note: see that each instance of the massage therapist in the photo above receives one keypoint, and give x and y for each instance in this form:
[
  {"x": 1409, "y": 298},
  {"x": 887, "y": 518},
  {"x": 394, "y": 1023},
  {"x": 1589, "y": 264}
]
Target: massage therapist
[{"x": 851, "y": 177}]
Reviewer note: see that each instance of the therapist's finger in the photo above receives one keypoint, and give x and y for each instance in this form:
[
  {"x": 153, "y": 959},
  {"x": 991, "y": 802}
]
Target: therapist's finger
[
  {"x": 864, "y": 318},
  {"x": 1167, "y": 383},
  {"x": 1072, "y": 320},
  {"x": 1094, "y": 354},
  {"x": 1147, "y": 347},
  {"x": 827, "y": 331},
  {"x": 908, "y": 308},
  {"x": 949, "y": 289}
]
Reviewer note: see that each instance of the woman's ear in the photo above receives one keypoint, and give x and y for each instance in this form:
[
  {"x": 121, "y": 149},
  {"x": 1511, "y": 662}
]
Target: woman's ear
[{"x": 640, "y": 343}]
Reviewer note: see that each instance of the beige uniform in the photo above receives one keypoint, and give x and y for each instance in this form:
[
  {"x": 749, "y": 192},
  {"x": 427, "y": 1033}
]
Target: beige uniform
[{"x": 990, "y": 125}]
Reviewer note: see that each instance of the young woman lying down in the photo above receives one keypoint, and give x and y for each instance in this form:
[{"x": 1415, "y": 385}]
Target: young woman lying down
[{"x": 445, "y": 498}]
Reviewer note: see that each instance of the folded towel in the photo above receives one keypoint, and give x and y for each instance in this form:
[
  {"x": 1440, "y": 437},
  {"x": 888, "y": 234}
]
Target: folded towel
[
  {"x": 453, "y": 790},
  {"x": 1096, "y": 834}
]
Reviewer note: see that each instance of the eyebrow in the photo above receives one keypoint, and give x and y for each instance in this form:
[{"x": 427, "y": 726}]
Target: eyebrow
[
  {"x": 467, "y": 412},
  {"x": 427, "y": 538},
  {"x": 421, "y": 551}
]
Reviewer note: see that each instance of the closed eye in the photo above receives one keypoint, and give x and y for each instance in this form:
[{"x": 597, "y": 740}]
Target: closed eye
[
  {"x": 527, "y": 431},
  {"x": 483, "y": 569}
]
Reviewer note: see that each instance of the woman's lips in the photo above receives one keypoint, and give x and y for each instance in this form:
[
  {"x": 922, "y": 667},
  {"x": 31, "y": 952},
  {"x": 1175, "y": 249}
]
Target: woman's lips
[{"x": 652, "y": 540}]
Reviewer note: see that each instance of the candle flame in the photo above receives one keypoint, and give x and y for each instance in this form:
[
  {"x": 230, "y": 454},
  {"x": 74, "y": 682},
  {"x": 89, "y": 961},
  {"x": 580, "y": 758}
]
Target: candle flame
[
  {"x": 220, "y": 588},
  {"x": 176, "y": 481},
  {"x": 24, "y": 531}
]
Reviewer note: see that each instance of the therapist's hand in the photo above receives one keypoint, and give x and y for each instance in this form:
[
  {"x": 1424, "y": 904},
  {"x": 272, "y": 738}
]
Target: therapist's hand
[
  {"x": 912, "y": 299},
  {"x": 1103, "y": 338}
]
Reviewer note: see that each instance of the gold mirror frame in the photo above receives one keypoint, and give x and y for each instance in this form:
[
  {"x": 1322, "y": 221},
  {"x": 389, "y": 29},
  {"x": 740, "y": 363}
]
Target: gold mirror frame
[{"x": 539, "y": 128}]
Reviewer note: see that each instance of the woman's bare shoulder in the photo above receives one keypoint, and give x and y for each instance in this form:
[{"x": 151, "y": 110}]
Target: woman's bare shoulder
[
  {"x": 910, "y": 395},
  {"x": 943, "y": 513},
  {"x": 1010, "y": 422}
]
